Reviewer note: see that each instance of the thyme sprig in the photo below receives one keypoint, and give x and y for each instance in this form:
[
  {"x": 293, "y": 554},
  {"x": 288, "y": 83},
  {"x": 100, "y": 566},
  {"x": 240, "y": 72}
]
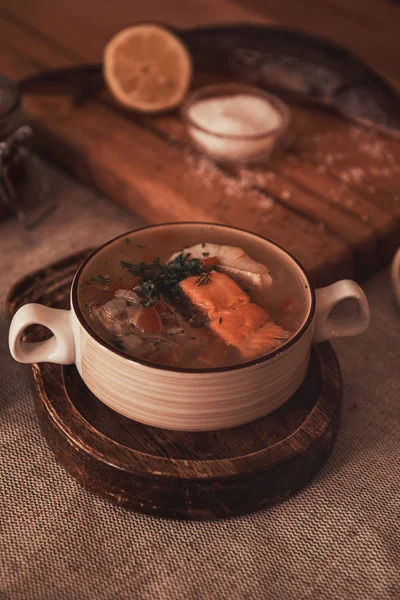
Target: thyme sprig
[{"x": 204, "y": 279}]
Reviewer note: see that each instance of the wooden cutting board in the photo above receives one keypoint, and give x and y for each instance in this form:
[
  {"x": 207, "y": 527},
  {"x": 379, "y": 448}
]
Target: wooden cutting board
[{"x": 331, "y": 197}]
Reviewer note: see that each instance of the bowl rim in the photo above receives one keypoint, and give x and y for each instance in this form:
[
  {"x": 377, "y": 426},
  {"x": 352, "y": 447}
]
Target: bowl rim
[
  {"x": 227, "y": 89},
  {"x": 153, "y": 365}
]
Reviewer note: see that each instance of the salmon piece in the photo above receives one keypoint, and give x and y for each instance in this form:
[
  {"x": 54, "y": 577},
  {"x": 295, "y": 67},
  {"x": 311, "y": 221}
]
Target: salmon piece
[
  {"x": 233, "y": 317},
  {"x": 221, "y": 293},
  {"x": 266, "y": 339},
  {"x": 239, "y": 324}
]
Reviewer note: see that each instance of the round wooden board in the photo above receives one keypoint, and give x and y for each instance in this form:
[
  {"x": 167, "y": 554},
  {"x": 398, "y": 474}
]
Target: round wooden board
[{"x": 176, "y": 474}]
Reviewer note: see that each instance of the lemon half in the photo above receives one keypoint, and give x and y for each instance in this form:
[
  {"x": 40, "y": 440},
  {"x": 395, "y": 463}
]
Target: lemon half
[{"x": 147, "y": 68}]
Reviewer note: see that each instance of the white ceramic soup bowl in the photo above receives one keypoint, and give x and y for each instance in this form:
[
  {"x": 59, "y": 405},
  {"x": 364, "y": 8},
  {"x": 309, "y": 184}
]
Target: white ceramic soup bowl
[{"x": 192, "y": 399}]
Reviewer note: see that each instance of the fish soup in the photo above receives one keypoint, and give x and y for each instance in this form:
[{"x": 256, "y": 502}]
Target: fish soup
[{"x": 209, "y": 298}]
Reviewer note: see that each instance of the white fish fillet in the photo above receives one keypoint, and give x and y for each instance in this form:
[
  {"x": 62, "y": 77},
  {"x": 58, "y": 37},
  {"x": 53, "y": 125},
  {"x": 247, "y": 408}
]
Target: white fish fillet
[{"x": 234, "y": 262}]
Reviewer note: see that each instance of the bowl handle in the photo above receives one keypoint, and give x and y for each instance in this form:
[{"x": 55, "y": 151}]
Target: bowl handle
[
  {"x": 60, "y": 348},
  {"x": 328, "y": 327}
]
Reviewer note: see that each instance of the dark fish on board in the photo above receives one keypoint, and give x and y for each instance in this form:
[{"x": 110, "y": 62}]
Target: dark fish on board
[{"x": 305, "y": 66}]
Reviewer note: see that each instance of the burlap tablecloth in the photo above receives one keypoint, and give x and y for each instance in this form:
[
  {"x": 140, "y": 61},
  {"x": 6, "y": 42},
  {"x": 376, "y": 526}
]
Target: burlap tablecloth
[{"x": 337, "y": 539}]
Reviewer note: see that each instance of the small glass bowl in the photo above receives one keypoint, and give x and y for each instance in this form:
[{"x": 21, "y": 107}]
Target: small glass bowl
[{"x": 234, "y": 148}]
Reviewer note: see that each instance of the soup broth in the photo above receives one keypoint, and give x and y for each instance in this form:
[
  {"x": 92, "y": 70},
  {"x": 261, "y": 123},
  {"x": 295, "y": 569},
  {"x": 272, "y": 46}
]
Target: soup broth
[{"x": 210, "y": 298}]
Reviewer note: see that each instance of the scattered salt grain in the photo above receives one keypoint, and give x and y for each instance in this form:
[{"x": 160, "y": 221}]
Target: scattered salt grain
[
  {"x": 256, "y": 178},
  {"x": 213, "y": 178},
  {"x": 267, "y": 203},
  {"x": 381, "y": 171},
  {"x": 345, "y": 177},
  {"x": 356, "y": 174}
]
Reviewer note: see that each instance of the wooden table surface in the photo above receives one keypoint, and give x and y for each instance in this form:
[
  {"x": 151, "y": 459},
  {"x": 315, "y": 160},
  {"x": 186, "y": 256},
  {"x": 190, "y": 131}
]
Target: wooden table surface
[{"x": 49, "y": 33}]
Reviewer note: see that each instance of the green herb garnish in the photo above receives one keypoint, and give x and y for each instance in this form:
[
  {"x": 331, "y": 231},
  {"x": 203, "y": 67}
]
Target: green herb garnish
[
  {"x": 127, "y": 241},
  {"x": 163, "y": 279},
  {"x": 101, "y": 279},
  {"x": 205, "y": 253},
  {"x": 203, "y": 245},
  {"x": 204, "y": 279},
  {"x": 138, "y": 269}
]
